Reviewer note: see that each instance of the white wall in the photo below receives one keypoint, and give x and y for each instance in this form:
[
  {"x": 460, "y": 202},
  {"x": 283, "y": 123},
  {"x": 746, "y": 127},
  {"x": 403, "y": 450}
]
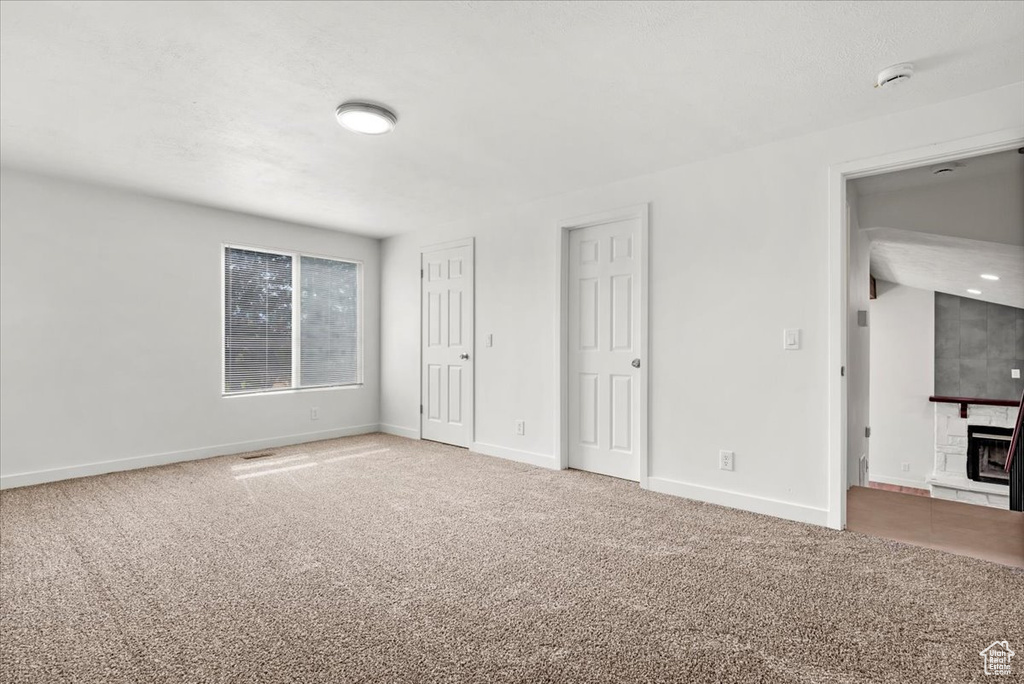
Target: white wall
[
  {"x": 739, "y": 251},
  {"x": 902, "y": 378},
  {"x": 110, "y": 324}
]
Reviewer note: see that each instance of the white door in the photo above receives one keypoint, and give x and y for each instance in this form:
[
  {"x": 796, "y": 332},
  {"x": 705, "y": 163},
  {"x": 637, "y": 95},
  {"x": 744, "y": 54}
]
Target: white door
[
  {"x": 605, "y": 340},
  {"x": 447, "y": 345}
]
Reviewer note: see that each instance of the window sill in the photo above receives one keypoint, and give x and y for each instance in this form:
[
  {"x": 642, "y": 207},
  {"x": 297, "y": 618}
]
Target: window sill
[{"x": 292, "y": 390}]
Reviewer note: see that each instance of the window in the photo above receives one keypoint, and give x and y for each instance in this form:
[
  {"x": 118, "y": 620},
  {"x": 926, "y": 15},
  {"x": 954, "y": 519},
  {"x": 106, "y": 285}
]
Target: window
[{"x": 291, "y": 321}]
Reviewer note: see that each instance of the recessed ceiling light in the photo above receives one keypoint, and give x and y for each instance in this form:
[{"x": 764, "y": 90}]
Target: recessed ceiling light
[
  {"x": 989, "y": 276},
  {"x": 897, "y": 73},
  {"x": 363, "y": 117},
  {"x": 974, "y": 292}
]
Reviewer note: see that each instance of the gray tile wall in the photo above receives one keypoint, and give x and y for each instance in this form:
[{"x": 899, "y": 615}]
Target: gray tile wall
[{"x": 976, "y": 345}]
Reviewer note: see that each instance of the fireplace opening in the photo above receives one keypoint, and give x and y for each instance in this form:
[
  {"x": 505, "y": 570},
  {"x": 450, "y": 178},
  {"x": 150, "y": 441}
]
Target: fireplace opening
[{"x": 987, "y": 449}]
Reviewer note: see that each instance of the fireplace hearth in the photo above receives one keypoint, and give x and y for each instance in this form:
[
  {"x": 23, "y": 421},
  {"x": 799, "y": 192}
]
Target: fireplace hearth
[{"x": 987, "y": 449}]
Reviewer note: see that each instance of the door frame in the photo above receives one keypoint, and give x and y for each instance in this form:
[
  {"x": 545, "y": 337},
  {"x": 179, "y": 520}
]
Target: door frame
[
  {"x": 838, "y": 255},
  {"x": 636, "y": 211},
  {"x": 435, "y": 247}
]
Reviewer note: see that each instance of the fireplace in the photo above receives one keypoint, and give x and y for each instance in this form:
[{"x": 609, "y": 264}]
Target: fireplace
[{"x": 987, "y": 449}]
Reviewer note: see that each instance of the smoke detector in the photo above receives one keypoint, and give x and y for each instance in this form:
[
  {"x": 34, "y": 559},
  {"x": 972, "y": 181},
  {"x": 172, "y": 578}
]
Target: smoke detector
[{"x": 897, "y": 73}]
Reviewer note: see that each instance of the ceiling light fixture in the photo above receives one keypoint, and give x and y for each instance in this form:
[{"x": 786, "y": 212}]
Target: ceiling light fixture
[
  {"x": 974, "y": 292},
  {"x": 989, "y": 276},
  {"x": 897, "y": 73},
  {"x": 366, "y": 118}
]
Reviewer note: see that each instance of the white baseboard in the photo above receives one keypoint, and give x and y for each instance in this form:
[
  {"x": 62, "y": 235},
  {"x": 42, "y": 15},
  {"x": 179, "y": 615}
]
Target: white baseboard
[
  {"x": 398, "y": 431},
  {"x": 529, "y": 457},
  {"x": 745, "y": 502},
  {"x": 900, "y": 482},
  {"x": 87, "y": 469}
]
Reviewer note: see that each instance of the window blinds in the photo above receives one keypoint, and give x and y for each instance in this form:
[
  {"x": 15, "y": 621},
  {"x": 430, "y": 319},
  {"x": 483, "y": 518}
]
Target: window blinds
[
  {"x": 257, "y": 321},
  {"x": 261, "y": 310},
  {"x": 329, "y": 328}
]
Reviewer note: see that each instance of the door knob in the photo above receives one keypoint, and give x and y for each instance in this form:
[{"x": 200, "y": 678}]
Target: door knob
[
  {"x": 464, "y": 357},
  {"x": 636, "y": 363}
]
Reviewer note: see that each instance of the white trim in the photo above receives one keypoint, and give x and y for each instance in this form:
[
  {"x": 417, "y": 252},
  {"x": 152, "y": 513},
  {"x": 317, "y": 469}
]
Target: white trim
[
  {"x": 898, "y": 481},
  {"x": 838, "y": 248},
  {"x": 744, "y": 502},
  {"x": 135, "y": 462},
  {"x": 296, "y": 357},
  {"x": 529, "y": 457},
  {"x": 437, "y": 247},
  {"x": 398, "y": 431},
  {"x": 636, "y": 211},
  {"x": 292, "y": 390}
]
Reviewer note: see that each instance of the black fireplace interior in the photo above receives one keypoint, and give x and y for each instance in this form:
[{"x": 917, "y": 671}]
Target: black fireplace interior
[{"x": 987, "y": 449}]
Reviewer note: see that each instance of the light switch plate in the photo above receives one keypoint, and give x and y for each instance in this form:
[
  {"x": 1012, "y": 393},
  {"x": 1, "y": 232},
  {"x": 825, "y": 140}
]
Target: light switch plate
[
  {"x": 1015, "y": 373},
  {"x": 791, "y": 339}
]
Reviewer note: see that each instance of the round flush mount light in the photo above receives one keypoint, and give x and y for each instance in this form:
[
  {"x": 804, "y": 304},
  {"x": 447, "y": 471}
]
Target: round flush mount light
[
  {"x": 897, "y": 73},
  {"x": 366, "y": 118},
  {"x": 989, "y": 276},
  {"x": 974, "y": 292}
]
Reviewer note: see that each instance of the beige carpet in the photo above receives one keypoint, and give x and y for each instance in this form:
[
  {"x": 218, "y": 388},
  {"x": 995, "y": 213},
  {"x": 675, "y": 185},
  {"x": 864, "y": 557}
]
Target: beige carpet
[{"x": 399, "y": 561}]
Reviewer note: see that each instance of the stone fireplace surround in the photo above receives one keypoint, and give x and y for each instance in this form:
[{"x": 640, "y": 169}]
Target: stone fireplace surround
[{"x": 949, "y": 479}]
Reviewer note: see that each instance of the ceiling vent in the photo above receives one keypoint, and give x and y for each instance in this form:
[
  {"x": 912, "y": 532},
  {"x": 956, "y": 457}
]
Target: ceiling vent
[
  {"x": 897, "y": 73},
  {"x": 946, "y": 169}
]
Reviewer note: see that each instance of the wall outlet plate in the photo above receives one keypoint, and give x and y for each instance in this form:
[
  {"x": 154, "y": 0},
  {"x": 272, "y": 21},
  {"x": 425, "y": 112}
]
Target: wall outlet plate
[
  {"x": 1015, "y": 373},
  {"x": 314, "y": 413},
  {"x": 726, "y": 460},
  {"x": 520, "y": 427}
]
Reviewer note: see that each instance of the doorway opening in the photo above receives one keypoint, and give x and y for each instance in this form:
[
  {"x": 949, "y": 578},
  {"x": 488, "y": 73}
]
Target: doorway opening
[
  {"x": 603, "y": 367},
  {"x": 934, "y": 347},
  {"x": 447, "y": 293}
]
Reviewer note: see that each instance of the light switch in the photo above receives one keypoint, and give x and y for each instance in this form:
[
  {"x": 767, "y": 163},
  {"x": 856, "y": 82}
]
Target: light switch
[
  {"x": 791, "y": 339},
  {"x": 489, "y": 340},
  {"x": 1015, "y": 373}
]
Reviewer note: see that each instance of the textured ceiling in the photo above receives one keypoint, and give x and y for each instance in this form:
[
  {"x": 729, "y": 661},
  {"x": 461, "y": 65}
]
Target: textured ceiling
[
  {"x": 942, "y": 232},
  {"x": 1005, "y": 164},
  {"x": 947, "y": 264},
  {"x": 231, "y": 104}
]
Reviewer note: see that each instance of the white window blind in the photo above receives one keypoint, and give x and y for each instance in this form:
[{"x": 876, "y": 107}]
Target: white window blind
[
  {"x": 257, "y": 321},
  {"x": 330, "y": 323},
  {"x": 264, "y": 320}
]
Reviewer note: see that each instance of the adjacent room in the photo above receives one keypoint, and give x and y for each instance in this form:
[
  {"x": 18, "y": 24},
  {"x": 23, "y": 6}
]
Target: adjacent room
[
  {"x": 944, "y": 336},
  {"x": 511, "y": 342}
]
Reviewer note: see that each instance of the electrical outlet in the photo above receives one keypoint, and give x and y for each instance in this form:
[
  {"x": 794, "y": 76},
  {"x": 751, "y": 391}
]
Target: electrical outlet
[
  {"x": 1015, "y": 373},
  {"x": 520, "y": 427},
  {"x": 314, "y": 413},
  {"x": 905, "y": 467},
  {"x": 489, "y": 340},
  {"x": 726, "y": 460}
]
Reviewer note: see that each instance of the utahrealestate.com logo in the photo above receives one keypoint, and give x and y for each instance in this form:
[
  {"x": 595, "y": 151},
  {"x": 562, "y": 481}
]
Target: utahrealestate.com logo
[{"x": 997, "y": 658}]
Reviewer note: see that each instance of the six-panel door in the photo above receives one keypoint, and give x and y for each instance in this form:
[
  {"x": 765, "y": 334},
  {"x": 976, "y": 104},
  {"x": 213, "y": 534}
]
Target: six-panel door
[
  {"x": 604, "y": 344},
  {"x": 447, "y": 345}
]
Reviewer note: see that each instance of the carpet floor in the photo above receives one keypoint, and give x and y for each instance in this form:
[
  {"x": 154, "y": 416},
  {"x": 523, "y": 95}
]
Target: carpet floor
[{"x": 381, "y": 559}]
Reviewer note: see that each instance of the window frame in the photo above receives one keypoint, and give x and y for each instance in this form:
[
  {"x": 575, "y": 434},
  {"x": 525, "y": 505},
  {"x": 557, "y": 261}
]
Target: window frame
[{"x": 296, "y": 359}]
